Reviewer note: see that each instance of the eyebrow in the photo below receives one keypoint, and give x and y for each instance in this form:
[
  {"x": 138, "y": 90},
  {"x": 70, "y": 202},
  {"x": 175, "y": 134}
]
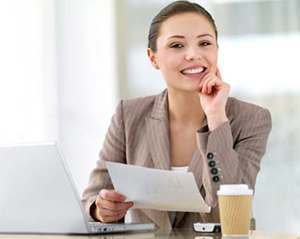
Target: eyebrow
[{"x": 199, "y": 36}]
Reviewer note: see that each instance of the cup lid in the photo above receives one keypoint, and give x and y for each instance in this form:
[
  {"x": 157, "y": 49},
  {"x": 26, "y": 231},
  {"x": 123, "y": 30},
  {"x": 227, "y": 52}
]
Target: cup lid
[{"x": 234, "y": 189}]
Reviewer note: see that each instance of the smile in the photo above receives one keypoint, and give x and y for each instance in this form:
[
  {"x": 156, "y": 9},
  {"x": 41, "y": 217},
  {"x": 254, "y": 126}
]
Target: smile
[{"x": 193, "y": 71}]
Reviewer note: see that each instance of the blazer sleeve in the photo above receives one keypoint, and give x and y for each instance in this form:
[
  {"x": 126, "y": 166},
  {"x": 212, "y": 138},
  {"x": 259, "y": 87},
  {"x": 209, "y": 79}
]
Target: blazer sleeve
[
  {"x": 113, "y": 150},
  {"x": 229, "y": 162}
]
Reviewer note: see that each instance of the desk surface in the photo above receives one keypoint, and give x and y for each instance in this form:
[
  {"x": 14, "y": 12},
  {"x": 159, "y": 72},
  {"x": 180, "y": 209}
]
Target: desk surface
[{"x": 175, "y": 234}]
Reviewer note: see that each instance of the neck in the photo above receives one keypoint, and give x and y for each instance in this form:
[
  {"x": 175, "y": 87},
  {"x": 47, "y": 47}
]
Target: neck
[{"x": 185, "y": 108}]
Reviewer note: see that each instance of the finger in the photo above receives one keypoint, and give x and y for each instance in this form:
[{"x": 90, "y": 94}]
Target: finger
[
  {"x": 207, "y": 75},
  {"x": 108, "y": 219},
  {"x": 101, "y": 214},
  {"x": 218, "y": 73},
  {"x": 112, "y": 195},
  {"x": 104, "y": 212},
  {"x": 100, "y": 202},
  {"x": 204, "y": 87},
  {"x": 226, "y": 86},
  {"x": 210, "y": 86},
  {"x": 200, "y": 89},
  {"x": 214, "y": 83}
]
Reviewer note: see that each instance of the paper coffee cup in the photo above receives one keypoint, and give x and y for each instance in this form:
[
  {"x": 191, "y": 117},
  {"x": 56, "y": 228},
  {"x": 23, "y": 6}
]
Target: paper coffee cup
[{"x": 235, "y": 206}]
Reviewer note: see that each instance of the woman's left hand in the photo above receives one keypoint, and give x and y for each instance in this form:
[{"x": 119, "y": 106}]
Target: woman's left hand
[{"x": 213, "y": 94}]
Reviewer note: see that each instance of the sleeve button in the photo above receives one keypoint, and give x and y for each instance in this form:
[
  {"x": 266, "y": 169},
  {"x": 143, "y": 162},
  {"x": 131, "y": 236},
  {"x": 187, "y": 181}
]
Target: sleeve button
[
  {"x": 212, "y": 163},
  {"x": 210, "y": 155},
  {"x": 214, "y": 171},
  {"x": 216, "y": 179}
]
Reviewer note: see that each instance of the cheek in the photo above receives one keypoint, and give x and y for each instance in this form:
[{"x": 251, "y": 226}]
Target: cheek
[
  {"x": 174, "y": 64},
  {"x": 213, "y": 57},
  {"x": 171, "y": 62}
]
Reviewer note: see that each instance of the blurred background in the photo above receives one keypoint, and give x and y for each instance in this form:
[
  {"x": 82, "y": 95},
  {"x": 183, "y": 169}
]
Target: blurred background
[{"x": 65, "y": 64}]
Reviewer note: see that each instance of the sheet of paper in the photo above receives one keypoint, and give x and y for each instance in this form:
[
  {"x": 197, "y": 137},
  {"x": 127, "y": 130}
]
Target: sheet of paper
[{"x": 157, "y": 189}]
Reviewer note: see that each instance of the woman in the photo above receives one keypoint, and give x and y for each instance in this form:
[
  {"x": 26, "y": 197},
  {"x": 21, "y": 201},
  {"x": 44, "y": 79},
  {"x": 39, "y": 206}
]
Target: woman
[{"x": 193, "y": 125}]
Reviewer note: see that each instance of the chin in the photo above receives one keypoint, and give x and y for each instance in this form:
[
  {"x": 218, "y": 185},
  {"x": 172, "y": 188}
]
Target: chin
[
  {"x": 186, "y": 89},
  {"x": 191, "y": 87}
]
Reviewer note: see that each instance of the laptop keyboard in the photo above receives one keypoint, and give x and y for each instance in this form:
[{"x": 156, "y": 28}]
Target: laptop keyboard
[{"x": 98, "y": 227}]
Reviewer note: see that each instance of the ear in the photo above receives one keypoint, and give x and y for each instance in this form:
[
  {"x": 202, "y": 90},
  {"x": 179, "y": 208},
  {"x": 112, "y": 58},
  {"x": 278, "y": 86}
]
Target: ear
[{"x": 152, "y": 58}]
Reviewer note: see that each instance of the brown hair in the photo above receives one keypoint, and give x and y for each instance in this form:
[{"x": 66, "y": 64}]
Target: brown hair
[{"x": 173, "y": 9}]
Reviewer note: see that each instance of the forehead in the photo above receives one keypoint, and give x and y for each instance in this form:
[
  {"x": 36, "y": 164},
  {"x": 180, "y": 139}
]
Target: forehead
[{"x": 186, "y": 24}]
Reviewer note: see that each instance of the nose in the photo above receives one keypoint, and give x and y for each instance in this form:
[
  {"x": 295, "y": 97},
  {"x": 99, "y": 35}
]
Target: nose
[{"x": 193, "y": 53}]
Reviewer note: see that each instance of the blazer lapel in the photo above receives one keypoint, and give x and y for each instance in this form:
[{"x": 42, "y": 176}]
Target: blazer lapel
[{"x": 157, "y": 134}]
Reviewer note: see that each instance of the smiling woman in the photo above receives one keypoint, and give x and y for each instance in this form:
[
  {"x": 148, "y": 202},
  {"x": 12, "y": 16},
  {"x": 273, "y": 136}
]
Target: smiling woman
[
  {"x": 193, "y": 124},
  {"x": 182, "y": 41}
]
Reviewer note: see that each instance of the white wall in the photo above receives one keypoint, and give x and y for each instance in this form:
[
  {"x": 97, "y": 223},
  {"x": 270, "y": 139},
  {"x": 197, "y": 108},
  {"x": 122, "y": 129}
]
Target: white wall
[
  {"x": 57, "y": 77},
  {"x": 27, "y": 74},
  {"x": 86, "y": 80}
]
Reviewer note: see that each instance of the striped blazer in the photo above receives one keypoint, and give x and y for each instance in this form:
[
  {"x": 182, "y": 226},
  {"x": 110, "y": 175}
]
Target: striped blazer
[{"x": 139, "y": 135}]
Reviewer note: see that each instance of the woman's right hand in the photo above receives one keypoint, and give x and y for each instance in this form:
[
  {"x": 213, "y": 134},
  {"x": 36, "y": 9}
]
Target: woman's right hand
[{"x": 110, "y": 206}]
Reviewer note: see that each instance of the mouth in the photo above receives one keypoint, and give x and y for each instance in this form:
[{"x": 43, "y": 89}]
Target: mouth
[{"x": 194, "y": 72}]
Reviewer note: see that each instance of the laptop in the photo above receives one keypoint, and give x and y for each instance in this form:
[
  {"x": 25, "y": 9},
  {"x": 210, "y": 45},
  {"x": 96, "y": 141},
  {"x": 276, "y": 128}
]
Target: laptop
[{"x": 38, "y": 195}]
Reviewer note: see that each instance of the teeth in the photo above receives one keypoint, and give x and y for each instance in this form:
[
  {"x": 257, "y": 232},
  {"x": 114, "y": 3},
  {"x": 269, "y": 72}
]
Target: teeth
[{"x": 193, "y": 71}]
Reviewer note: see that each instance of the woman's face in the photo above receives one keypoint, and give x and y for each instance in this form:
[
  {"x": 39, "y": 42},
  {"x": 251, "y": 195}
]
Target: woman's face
[{"x": 186, "y": 51}]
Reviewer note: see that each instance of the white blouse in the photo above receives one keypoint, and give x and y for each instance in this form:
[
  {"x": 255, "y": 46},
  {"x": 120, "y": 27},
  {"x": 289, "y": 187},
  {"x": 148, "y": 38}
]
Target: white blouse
[{"x": 176, "y": 169}]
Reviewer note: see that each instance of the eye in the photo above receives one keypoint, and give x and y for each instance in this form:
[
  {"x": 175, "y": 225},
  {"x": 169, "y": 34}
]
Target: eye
[
  {"x": 205, "y": 43},
  {"x": 176, "y": 45}
]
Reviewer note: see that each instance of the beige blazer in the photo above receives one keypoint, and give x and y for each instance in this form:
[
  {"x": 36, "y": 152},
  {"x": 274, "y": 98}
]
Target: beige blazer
[{"x": 139, "y": 135}]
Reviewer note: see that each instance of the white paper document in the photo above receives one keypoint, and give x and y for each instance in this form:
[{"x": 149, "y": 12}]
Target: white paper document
[{"x": 157, "y": 189}]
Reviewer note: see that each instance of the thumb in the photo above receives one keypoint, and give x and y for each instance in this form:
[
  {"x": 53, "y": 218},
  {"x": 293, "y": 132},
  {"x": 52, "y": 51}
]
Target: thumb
[{"x": 218, "y": 73}]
